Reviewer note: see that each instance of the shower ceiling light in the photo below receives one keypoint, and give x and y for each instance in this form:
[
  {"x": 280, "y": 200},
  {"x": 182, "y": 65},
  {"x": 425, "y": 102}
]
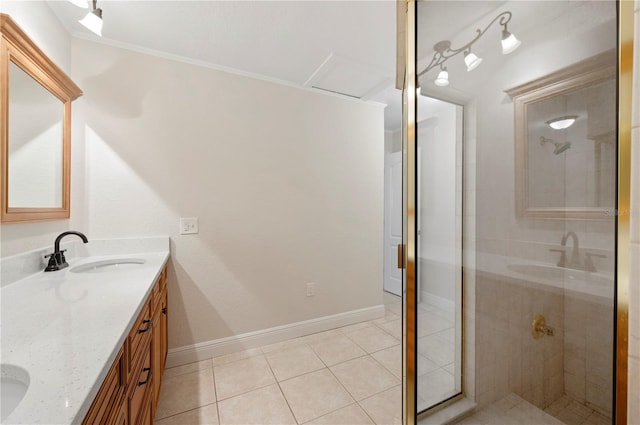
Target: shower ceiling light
[
  {"x": 93, "y": 20},
  {"x": 561, "y": 123},
  {"x": 443, "y": 50},
  {"x": 509, "y": 42},
  {"x": 472, "y": 61},
  {"x": 443, "y": 78}
]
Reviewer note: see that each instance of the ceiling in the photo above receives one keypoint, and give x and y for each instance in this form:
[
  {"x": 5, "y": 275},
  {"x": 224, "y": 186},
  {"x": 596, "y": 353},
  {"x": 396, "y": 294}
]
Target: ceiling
[{"x": 346, "y": 47}]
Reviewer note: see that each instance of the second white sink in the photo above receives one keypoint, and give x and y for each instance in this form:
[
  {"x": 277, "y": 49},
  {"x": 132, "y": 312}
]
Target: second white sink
[
  {"x": 105, "y": 266},
  {"x": 14, "y": 382}
]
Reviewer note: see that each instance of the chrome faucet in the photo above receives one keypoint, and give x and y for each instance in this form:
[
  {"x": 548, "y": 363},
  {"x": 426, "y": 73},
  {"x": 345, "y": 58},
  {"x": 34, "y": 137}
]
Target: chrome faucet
[
  {"x": 574, "y": 262},
  {"x": 56, "y": 258}
]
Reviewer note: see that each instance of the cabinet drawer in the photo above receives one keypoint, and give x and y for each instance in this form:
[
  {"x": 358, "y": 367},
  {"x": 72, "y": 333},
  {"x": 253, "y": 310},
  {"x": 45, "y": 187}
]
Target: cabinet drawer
[
  {"x": 109, "y": 395},
  {"x": 138, "y": 335},
  {"x": 140, "y": 386}
]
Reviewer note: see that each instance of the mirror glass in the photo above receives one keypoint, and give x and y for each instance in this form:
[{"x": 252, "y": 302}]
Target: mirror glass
[
  {"x": 574, "y": 166},
  {"x": 35, "y": 169}
]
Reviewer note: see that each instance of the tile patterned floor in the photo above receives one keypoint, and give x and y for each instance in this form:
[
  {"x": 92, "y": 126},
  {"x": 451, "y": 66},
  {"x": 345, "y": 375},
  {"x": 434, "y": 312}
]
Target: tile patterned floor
[
  {"x": 436, "y": 355},
  {"x": 514, "y": 410},
  {"x": 349, "y": 375}
]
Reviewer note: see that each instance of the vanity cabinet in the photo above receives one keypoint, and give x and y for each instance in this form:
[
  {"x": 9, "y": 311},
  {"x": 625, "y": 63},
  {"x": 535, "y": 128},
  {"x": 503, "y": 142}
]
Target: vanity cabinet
[
  {"x": 129, "y": 393},
  {"x": 106, "y": 406}
]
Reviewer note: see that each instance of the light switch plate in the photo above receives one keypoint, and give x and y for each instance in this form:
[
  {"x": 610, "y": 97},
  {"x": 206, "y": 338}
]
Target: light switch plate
[{"x": 189, "y": 226}]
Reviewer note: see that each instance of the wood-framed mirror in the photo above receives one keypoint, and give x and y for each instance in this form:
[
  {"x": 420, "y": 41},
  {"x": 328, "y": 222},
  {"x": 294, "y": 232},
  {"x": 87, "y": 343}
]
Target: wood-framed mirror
[
  {"x": 35, "y": 140},
  {"x": 565, "y": 142}
]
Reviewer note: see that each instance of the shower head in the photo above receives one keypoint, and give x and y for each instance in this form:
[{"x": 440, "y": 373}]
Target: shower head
[{"x": 559, "y": 147}]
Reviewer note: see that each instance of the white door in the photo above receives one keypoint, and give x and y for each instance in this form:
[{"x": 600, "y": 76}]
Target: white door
[{"x": 392, "y": 222}]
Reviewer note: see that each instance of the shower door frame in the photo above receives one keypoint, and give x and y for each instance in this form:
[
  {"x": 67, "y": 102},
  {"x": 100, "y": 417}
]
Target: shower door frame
[{"x": 626, "y": 30}]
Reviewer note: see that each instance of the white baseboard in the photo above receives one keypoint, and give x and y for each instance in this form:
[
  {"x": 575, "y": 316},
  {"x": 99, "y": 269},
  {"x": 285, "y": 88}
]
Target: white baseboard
[
  {"x": 219, "y": 347},
  {"x": 438, "y": 301}
]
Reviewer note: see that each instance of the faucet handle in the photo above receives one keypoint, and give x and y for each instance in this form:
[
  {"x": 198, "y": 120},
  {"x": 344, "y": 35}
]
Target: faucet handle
[
  {"x": 562, "y": 262},
  {"x": 56, "y": 261},
  {"x": 55, "y": 253},
  {"x": 588, "y": 262}
]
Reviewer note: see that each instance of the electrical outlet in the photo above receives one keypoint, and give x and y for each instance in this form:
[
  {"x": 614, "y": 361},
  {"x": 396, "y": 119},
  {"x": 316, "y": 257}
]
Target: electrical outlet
[
  {"x": 189, "y": 226},
  {"x": 311, "y": 289}
]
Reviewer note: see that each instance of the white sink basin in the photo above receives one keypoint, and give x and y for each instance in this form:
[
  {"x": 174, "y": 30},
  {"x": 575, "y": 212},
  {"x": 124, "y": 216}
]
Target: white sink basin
[
  {"x": 14, "y": 382},
  {"x": 105, "y": 266}
]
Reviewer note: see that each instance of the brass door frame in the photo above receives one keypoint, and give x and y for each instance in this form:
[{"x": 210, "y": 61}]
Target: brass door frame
[
  {"x": 409, "y": 193},
  {"x": 623, "y": 212}
]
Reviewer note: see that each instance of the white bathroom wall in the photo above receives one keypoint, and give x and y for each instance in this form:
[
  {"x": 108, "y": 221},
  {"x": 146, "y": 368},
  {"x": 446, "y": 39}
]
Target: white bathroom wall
[
  {"x": 634, "y": 278},
  {"x": 287, "y": 185},
  {"x": 392, "y": 141},
  {"x": 39, "y": 22}
]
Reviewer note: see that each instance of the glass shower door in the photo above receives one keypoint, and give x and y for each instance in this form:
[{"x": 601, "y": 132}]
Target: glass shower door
[{"x": 514, "y": 155}]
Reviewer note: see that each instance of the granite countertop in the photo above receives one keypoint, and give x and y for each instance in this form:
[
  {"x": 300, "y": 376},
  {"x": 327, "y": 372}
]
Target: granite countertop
[{"x": 65, "y": 329}]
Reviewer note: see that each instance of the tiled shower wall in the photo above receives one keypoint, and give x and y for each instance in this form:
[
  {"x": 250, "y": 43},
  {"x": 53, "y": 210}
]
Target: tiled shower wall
[
  {"x": 588, "y": 350},
  {"x": 575, "y": 361},
  {"x": 508, "y": 358}
]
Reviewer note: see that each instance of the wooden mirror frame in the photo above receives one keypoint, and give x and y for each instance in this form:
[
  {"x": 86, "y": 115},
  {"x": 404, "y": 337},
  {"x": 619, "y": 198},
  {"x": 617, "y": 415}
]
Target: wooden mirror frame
[
  {"x": 583, "y": 74},
  {"x": 17, "y": 47}
]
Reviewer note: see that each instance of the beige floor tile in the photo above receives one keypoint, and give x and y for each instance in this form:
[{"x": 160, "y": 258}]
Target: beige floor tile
[
  {"x": 293, "y": 361},
  {"x": 242, "y": 376},
  {"x": 315, "y": 394},
  {"x": 187, "y": 368},
  {"x": 393, "y": 328},
  {"x": 372, "y": 339},
  {"x": 350, "y": 415},
  {"x": 391, "y": 358},
  {"x": 448, "y": 335},
  {"x": 185, "y": 392},
  {"x": 260, "y": 407},
  {"x": 206, "y": 415},
  {"x": 386, "y": 407},
  {"x": 436, "y": 349},
  {"x": 364, "y": 377},
  {"x": 337, "y": 349},
  {"x": 240, "y": 355},
  {"x": 430, "y": 323},
  {"x": 425, "y": 365},
  {"x": 434, "y": 387}
]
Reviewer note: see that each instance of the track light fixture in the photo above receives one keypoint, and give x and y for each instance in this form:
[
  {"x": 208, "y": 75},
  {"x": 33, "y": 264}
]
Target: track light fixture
[
  {"x": 444, "y": 52},
  {"x": 443, "y": 77},
  {"x": 93, "y": 20}
]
